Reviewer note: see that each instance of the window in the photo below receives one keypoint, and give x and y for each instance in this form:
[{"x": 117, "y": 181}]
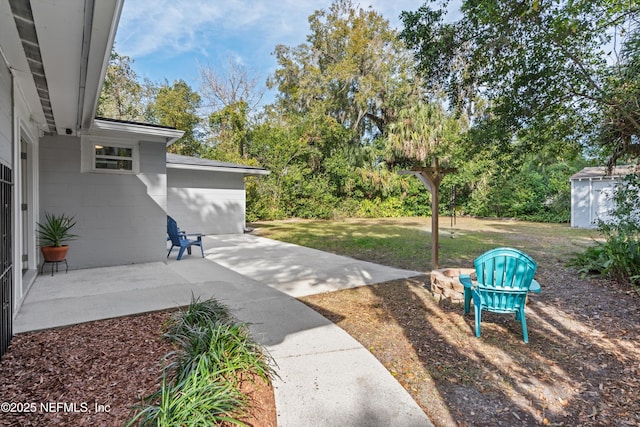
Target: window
[
  {"x": 113, "y": 158},
  {"x": 105, "y": 155}
]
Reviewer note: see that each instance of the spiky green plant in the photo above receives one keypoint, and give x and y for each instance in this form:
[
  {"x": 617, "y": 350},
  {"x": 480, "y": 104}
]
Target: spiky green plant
[
  {"x": 203, "y": 313},
  {"x": 199, "y": 400},
  {"x": 201, "y": 384},
  {"x": 55, "y": 230}
]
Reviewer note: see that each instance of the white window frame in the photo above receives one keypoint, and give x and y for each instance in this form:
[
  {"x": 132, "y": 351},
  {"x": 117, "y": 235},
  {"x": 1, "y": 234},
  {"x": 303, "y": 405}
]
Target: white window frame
[{"x": 89, "y": 156}]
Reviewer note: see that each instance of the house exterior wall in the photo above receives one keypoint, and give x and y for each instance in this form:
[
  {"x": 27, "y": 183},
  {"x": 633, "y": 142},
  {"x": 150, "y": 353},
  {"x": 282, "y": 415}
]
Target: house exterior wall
[
  {"x": 591, "y": 200},
  {"x": 121, "y": 218},
  {"x": 207, "y": 202},
  {"x": 6, "y": 115},
  {"x": 25, "y": 176}
]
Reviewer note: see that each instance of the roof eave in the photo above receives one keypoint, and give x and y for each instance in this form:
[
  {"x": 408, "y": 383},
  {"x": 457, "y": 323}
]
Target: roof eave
[
  {"x": 244, "y": 171},
  {"x": 103, "y": 33},
  {"x": 141, "y": 131}
]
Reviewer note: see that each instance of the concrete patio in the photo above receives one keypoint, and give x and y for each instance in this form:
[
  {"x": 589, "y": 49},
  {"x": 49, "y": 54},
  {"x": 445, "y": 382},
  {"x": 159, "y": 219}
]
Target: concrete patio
[{"x": 326, "y": 377}]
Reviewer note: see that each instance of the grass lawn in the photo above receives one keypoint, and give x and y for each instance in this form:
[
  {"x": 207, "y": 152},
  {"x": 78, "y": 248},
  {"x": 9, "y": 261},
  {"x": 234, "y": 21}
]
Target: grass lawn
[
  {"x": 406, "y": 242},
  {"x": 581, "y": 366}
]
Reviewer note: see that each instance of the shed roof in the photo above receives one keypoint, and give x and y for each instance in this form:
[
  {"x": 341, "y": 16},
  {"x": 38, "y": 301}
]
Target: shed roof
[
  {"x": 599, "y": 172},
  {"x": 177, "y": 161}
]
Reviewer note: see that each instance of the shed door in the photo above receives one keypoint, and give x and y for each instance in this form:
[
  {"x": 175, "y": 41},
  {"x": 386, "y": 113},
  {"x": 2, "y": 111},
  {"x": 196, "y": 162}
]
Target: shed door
[{"x": 603, "y": 201}]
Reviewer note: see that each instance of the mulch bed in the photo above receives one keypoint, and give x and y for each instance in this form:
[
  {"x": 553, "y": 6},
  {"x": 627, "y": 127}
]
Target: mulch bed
[{"x": 93, "y": 374}]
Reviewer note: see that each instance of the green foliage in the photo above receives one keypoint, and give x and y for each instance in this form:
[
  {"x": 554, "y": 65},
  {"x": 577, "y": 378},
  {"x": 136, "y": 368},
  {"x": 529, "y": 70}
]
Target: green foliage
[
  {"x": 200, "y": 314},
  {"x": 391, "y": 207},
  {"x": 619, "y": 255},
  {"x": 620, "y": 130},
  {"x": 201, "y": 386},
  {"x": 351, "y": 111},
  {"x": 55, "y": 230},
  {"x": 352, "y": 69},
  {"x": 177, "y": 106},
  {"x": 197, "y": 401},
  {"x": 122, "y": 96},
  {"x": 424, "y": 132},
  {"x": 230, "y": 132},
  {"x": 545, "y": 67}
]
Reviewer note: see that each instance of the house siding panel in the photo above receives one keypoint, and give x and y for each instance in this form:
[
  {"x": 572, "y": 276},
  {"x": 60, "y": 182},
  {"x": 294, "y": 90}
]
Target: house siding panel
[
  {"x": 121, "y": 218},
  {"x": 207, "y": 202},
  {"x": 6, "y": 122}
]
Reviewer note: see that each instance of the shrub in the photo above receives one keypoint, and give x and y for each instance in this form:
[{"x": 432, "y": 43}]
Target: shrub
[
  {"x": 388, "y": 208},
  {"x": 201, "y": 385}
]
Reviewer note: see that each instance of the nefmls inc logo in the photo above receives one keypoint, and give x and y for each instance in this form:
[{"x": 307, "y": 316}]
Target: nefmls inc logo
[{"x": 69, "y": 407}]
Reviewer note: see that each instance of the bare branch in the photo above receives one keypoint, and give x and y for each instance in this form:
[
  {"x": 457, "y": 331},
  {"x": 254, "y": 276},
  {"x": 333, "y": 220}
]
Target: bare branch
[{"x": 231, "y": 84}]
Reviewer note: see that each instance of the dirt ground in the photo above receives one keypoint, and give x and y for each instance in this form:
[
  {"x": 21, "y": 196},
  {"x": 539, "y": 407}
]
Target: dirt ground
[
  {"x": 92, "y": 374},
  {"x": 581, "y": 366}
]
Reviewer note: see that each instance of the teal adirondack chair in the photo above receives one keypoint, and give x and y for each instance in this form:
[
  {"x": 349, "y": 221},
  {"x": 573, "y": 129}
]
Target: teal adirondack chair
[{"x": 504, "y": 277}]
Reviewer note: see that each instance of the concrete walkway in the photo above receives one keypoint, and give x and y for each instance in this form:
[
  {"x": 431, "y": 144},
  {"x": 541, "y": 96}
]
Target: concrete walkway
[{"x": 326, "y": 377}]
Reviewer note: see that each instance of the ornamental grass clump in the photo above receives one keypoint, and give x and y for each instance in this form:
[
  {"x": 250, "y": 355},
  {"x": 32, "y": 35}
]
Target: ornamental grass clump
[{"x": 201, "y": 383}]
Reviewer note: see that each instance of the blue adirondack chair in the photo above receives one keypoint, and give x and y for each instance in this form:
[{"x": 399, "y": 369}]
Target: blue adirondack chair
[
  {"x": 504, "y": 277},
  {"x": 181, "y": 240}
]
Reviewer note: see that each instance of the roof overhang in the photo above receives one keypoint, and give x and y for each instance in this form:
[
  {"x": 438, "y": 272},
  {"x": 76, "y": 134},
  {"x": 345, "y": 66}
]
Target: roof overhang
[
  {"x": 58, "y": 51},
  {"x": 599, "y": 173},
  {"x": 177, "y": 161},
  {"x": 137, "y": 131},
  {"x": 239, "y": 169}
]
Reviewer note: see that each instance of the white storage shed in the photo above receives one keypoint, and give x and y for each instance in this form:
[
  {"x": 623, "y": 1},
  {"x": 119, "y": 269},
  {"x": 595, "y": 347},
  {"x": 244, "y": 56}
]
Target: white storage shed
[{"x": 591, "y": 194}]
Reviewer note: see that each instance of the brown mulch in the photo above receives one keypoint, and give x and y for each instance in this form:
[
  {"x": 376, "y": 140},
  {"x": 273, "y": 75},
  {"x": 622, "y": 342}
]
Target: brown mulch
[
  {"x": 93, "y": 374},
  {"x": 581, "y": 366}
]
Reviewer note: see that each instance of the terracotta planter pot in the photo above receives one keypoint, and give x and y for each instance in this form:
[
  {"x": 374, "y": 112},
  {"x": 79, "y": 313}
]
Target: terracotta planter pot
[{"x": 54, "y": 253}]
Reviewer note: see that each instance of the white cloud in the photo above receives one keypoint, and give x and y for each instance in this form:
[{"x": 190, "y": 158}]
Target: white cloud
[
  {"x": 171, "y": 38},
  {"x": 177, "y": 26},
  {"x": 169, "y": 27}
]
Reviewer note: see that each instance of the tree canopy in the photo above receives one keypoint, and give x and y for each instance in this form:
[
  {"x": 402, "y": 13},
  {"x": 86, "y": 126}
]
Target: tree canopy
[
  {"x": 516, "y": 96},
  {"x": 553, "y": 72},
  {"x": 177, "y": 106},
  {"x": 353, "y": 69},
  {"x": 122, "y": 95}
]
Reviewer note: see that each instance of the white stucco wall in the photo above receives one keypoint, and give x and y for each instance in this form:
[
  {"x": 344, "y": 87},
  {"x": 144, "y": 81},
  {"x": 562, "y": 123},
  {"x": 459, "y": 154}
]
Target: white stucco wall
[
  {"x": 121, "y": 218},
  {"x": 590, "y": 201},
  {"x": 207, "y": 202}
]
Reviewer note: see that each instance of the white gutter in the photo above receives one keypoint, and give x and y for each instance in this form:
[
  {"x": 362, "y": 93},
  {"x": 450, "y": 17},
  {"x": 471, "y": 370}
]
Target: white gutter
[
  {"x": 246, "y": 171},
  {"x": 166, "y": 135},
  {"x": 99, "y": 54}
]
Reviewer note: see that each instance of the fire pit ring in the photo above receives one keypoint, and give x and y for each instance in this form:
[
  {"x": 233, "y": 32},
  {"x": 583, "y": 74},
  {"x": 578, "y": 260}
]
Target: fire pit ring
[{"x": 445, "y": 283}]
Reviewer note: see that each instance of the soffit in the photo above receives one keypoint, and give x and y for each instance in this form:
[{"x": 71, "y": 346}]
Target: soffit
[{"x": 64, "y": 50}]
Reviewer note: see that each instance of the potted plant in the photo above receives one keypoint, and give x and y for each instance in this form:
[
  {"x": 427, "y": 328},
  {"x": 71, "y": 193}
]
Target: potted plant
[{"x": 53, "y": 233}]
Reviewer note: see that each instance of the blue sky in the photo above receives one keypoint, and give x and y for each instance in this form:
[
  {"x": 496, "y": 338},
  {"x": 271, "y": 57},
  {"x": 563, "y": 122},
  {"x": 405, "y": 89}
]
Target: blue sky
[{"x": 171, "y": 39}]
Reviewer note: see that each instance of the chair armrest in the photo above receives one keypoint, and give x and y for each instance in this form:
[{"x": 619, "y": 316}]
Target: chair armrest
[
  {"x": 465, "y": 279},
  {"x": 535, "y": 287},
  {"x": 192, "y": 235}
]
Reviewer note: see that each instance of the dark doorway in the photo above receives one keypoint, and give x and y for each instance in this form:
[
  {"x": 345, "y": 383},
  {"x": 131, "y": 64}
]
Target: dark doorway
[{"x": 6, "y": 258}]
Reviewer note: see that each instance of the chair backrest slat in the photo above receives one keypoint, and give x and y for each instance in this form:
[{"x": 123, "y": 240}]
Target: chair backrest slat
[
  {"x": 504, "y": 276},
  {"x": 172, "y": 231}
]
